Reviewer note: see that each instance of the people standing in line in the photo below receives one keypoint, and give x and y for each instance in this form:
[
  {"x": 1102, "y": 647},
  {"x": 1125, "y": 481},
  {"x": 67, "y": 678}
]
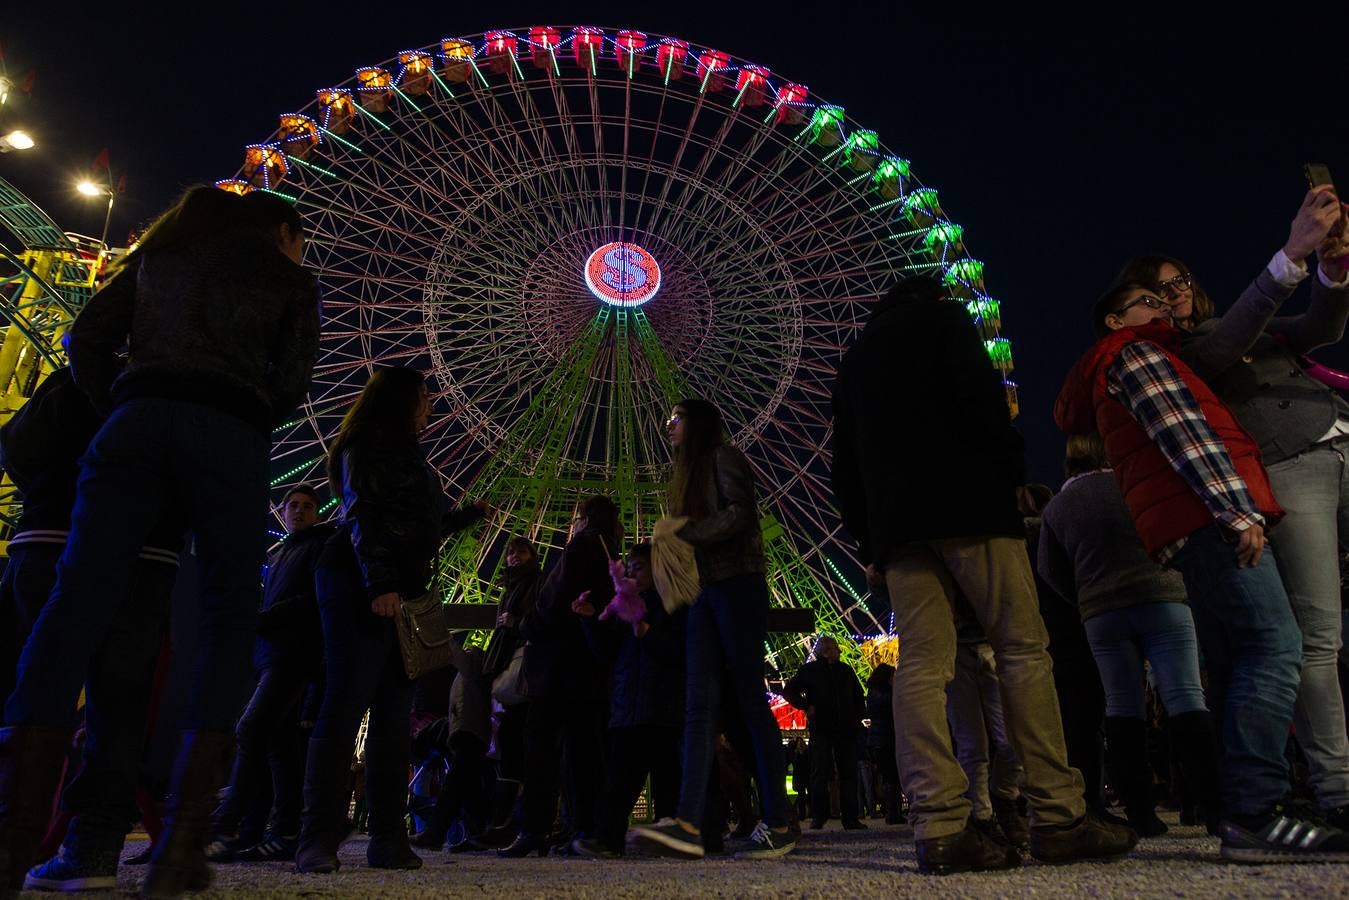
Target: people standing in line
[
  {"x": 714, "y": 489},
  {"x": 880, "y": 741},
  {"x": 646, "y": 711},
  {"x": 828, "y": 690},
  {"x": 1200, "y": 500},
  {"x": 395, "y": 518},
  {"x": 921, "y": 359},
  {"x": 222, "y": 323},
  {"x": 1133, "y": 610},
  {"x": 568, "y": 700},
  {"x": 1253, "y": 361},
  {"x": 288, "y": 658}
]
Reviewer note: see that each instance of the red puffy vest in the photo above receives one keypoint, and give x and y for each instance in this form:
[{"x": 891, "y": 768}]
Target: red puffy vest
[{"x": 1163, "y": 506}]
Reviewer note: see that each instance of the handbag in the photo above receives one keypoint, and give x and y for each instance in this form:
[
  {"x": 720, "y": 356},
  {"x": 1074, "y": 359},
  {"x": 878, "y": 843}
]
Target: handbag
[
  {"x": 674, "y": 567},
  {"x": 510, "y": 688},
  {"x": 423, "y": 635}
]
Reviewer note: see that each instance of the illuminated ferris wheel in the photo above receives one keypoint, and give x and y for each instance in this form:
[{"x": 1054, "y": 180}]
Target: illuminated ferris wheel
[{"x": 571, "y": 228}]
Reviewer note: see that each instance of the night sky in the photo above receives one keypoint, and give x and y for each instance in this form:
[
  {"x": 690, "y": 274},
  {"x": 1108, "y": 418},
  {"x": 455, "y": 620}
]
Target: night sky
[{"x": 1064, "y": 143}]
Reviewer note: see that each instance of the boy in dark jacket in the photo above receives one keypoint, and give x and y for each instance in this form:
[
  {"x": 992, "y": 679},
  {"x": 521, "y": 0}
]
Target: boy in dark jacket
[
  {"x": 288, "y": 657},
  {"x": 646, "y": 710}
]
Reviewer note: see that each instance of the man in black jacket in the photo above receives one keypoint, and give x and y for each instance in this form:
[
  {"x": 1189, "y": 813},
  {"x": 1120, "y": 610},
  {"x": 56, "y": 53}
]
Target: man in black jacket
[
  {"x": 288, "y": 657},
  {"x": 828, "y": 690},
  {"x": 925, "y": 471}
]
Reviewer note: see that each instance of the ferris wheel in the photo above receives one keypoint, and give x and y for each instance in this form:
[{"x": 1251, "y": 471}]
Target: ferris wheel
[{"x": 569, "y": 229}]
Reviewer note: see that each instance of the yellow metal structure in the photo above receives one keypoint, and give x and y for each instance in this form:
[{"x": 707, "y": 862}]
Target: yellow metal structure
[{"x": 46, "y": 277}]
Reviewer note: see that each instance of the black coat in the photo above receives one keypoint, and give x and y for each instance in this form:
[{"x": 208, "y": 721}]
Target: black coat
[
  {"x": 289, "y": 632},
  {"x": 519, "y": 590},
  {"x": 647, "y": 680},
  {"x": 923, "y": 441},
  {"x": 42, "y": 445},
  {"x": 559, "y": 661},
  {"x": 834, "y": 692},
  {"x": 226, "y": 321},
  {"x": 396, "y": 513},
  {"x": 881, "y": 734}
]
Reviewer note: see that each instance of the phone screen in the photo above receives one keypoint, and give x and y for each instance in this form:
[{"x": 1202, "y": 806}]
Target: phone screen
[{"x": 1318, "y": 174}]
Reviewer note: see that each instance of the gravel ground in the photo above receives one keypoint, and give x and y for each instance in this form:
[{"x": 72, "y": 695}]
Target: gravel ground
[{"x": 832, "y": 864}]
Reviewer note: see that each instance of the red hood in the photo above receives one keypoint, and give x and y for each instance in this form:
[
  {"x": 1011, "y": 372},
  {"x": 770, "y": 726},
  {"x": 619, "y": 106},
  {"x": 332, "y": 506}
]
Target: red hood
[{"x": 1075, "y": 409}]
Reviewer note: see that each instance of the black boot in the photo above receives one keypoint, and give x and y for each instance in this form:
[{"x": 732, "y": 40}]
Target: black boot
[
  {"x": 1009, "y": 819},
  {"x": 179, "y": 864},
  {"x": 1196, "y": 745},
  {"x": 323, "y": 825},
  {"x": 386, "y": 794},
  {"x": 1126, "y": 755},
  {"x": 30, "y": 773}
]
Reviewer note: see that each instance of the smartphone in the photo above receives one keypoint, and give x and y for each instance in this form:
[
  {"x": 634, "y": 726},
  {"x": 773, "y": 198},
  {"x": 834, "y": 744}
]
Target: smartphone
[{"x": 1317, "y": 174}]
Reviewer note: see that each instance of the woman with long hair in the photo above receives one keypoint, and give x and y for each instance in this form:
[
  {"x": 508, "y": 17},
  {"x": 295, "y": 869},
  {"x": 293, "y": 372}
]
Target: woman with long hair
[
  {"x": 222, "y": 324},
  {"x": 395, "y": 517},
  {"x": 713, "y": 487},
  {"x": 1254, "y": 362},
  {"x": 568, "y": 698}
]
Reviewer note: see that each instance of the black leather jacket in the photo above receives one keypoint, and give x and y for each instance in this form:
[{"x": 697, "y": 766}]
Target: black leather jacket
[
  {"x": 396, "y": 513},
  {"x": 728, "y": 542}
]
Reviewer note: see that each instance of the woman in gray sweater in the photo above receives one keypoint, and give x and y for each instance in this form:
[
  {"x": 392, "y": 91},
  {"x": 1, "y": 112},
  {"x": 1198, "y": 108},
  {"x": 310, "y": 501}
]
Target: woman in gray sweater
[{"x": 1132, "y": 610}]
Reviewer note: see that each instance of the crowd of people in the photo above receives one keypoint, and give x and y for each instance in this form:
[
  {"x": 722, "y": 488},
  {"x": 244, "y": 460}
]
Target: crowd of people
[{"x": 1187, "y": 572}]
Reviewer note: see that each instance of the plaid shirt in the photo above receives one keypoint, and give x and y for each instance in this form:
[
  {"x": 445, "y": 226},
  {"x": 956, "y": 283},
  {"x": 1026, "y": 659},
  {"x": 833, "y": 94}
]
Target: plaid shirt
[{"x": 1144, "y": 380}]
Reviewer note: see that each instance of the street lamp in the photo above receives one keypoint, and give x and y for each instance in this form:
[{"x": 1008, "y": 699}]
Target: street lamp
[
  {"x": 16, "y": 140},
  {"x": 89, "y": 189}
]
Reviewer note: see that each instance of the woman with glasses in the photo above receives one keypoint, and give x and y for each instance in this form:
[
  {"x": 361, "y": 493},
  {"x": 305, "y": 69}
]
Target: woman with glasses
[
  {"x": 1252, "y": 360},
  {"x": 713, "y": 487}
]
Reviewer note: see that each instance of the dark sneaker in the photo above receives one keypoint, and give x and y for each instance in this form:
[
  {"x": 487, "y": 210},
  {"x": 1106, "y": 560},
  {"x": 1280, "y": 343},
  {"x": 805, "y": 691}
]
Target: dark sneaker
[
  {"x": 669, "y": 840},
  {"x": 1283, "y": 837},
  {"x": 1087, "y": 838},
  {"x": 274, "y": 848},
  {"x": 593, "y": 848},
  {"x": 765, "y": 843},
  {"x": 69, "y": 871},
  {"x": 140, "y": 859},
  {"x": 225, "y": 848},
  {"x": 1338, "y": 818},
  {"x": 973, "y": 850}
]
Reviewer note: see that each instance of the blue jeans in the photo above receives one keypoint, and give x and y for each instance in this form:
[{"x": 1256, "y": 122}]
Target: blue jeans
[
  {"x": 361, "y": 657},
  {"x": 726, "y": 632},
  {"x": 155, "y": 459},
  {"x": 1163, "y": 634},
  {"x": 1313, "y": 489},
  {"x": 1253, "y": 650}
]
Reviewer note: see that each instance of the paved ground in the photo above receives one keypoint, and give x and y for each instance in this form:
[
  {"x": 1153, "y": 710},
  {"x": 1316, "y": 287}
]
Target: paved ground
[{"x": 830, "y": 864}]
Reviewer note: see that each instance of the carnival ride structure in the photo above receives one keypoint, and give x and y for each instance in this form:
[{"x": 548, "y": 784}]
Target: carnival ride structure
[{"x": 571, "y": 228}]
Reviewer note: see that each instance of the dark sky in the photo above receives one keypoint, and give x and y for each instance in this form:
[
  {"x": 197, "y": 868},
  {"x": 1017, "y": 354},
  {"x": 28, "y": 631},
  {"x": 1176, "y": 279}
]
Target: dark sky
[{"x": 1064, "y": 142}]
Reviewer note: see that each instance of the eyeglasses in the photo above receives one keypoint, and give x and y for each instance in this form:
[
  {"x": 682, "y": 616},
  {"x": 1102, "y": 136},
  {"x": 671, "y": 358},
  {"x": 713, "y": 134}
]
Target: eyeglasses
[
  {"x": 673, "y": 421},
  {"x": 1175, "y": 285},
  {"x": 1147, "y": 300}
]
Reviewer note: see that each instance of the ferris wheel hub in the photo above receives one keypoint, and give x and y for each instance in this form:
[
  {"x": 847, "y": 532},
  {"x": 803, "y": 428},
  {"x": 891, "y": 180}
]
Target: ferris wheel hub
[{"x": 622, "y": 274}]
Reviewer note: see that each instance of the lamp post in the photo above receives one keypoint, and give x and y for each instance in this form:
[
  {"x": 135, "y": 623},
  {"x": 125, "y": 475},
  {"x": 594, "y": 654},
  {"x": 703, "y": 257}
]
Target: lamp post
[
  {"x": 89, "y": 189},
  {"x": 16, "y": 140}
]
